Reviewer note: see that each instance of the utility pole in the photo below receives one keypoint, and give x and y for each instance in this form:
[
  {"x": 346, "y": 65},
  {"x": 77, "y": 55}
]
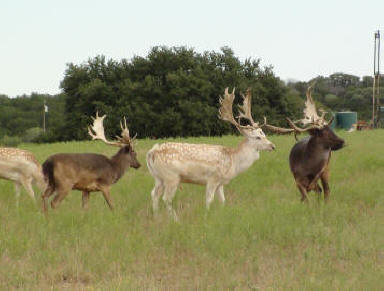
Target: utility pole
[
  {"x": 45, "y": 109},
  {"x": 376, "y": 82}
]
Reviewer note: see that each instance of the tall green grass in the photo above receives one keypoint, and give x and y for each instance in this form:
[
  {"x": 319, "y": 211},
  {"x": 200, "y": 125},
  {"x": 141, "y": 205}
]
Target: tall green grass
[{"x": 263, "y": 238}]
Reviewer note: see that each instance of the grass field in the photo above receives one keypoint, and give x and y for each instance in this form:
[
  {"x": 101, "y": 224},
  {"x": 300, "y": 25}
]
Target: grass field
[{"x": 263, "y": 238}]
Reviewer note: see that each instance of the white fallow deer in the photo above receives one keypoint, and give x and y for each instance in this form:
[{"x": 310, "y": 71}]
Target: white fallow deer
[
  {"x": 206, "y": 164},
  {"x": 21, "y": 167}
]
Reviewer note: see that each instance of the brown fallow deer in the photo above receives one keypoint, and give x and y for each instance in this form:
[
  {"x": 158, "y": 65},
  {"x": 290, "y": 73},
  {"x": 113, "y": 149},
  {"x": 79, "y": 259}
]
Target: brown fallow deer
[
  {"x": 89, "y": 172},
  {"x": 206, "y": 164},
  {"x": 21, "y": 167},
  {"x": 309, "y": 158}
]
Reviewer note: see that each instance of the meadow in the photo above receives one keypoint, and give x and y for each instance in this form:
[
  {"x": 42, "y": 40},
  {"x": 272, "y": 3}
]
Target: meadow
[{"x": 263, "y": 238}]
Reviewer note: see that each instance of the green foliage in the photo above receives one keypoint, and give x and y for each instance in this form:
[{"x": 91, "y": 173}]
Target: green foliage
[
  {"x": 343, "y": 92},
  {"x": 171, "y": 92},
  {"x": 10, "y": 141},
  {"x": 22, "y": 116},
  {"x": 32, "y": 134}
]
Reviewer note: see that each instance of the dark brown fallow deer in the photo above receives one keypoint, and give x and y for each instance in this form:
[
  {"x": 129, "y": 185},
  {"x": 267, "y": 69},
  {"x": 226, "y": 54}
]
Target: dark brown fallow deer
[
  {"x": 309, "y": 157},
  {"x": 89, "y": 172}
]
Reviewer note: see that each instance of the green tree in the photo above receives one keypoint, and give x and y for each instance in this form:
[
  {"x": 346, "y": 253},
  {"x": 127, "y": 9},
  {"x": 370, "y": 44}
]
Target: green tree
[{"x": 171, "y": 92}]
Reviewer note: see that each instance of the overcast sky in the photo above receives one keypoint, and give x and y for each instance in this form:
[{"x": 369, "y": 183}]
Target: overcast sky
[{"x": 300, "y": 39}]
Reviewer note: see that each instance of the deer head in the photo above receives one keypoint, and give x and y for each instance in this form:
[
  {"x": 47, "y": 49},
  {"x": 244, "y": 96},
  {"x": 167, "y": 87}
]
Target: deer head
[
  {"x": 316, "y": 125},
  {"x": 252, "y": 132},
  {"x": 125, "y": 142}
]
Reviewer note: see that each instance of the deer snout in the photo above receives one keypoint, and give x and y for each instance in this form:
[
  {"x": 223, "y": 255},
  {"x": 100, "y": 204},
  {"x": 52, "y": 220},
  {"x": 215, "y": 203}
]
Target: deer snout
[
  {"x": 270, "y": 147},
  {"x": 136, "y": 165},
  {"x": 337, "y": 144}
]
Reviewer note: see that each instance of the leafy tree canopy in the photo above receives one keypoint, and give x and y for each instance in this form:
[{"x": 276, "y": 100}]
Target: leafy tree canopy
[{"x": 171, "y": 92}]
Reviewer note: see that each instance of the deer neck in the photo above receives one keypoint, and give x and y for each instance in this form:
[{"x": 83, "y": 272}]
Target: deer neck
[
  {"x": 316, "y": 152},
  {"x": 244, "y": 156},
  {"x": 119, "y": 165}
]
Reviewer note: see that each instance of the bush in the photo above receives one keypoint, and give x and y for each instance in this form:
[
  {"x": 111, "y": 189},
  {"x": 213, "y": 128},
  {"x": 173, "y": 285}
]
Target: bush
[
  {"x": 32, "y": 134},
  {"x": 10, "y": 141},
  {"x": 51, "y": 135}
]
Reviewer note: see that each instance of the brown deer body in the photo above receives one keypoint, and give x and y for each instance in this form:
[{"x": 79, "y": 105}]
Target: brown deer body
[
  {"x": 22, "y": 168},
  {"x": 309, "y": 158},
  {"x": 88, "y": 172},
  {"x": 210, "y": 165}
]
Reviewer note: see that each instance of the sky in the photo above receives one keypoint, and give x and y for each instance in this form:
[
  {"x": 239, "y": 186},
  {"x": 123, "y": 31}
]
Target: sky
[{"x": 300, "y": 39}]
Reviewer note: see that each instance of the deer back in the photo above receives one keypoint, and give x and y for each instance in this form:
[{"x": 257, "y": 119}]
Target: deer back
[{"x": 190, "y": 160}]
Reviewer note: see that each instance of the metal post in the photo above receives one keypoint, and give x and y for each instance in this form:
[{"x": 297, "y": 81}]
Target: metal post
[
  {"x": 376, "y": 82},
  {"x": 44, "y": 117}
]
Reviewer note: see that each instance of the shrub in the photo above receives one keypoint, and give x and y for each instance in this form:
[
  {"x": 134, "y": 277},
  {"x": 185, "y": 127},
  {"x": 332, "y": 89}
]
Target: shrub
[
  {"x": 32, "y": 134},
  {"x": 10, "y": 141}
]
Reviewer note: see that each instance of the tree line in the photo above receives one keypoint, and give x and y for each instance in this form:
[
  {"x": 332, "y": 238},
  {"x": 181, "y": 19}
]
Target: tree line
[
  {"x": 171, "y": 92},
  {"x": 21, "y": 118},
  {"x": 343, "y": 92}
]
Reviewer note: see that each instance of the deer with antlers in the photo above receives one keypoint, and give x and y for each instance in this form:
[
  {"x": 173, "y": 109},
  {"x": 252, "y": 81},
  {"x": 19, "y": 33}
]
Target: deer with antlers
[
  {"x": 210, "y": 165},
  {"x": 89, "y": 172},
  {"x": 309, "y": 158}
]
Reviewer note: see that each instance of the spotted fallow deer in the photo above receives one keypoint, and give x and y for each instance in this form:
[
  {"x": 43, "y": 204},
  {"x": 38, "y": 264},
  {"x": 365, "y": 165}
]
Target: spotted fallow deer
[
  {"x": 21, "y": 167},
  {"x": 206, "y": 164},
  {"x": 309, "y": 158},
  {"x": 89, "y": 172}
]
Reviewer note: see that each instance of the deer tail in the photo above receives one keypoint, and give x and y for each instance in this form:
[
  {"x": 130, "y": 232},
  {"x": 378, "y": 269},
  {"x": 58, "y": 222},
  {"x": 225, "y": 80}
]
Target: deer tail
[{"x": 48, "y": 168}]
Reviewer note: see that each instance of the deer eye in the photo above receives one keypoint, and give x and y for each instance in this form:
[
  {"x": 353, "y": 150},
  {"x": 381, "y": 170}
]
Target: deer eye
[{"x": 258, "y": 137}]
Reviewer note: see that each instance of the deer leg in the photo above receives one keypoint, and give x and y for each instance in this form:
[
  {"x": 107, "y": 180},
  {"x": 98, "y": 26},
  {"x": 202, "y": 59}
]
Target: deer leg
[
  {"x": 57, "y": 199},
  {"x": 324, "y": 181},
  {"x": 85, "y": 198},
  {"x": 317, "y": 189},
  {"x": 107, "y": 197},
  {"x": 17, "y": 192},
  {"x": 303, "y": 191},
  {"x": 27, "y": 184},
  {"x": 220, "y": 194},
  {"x": 304, "y": 185},
  {"x": 210, "y": 194},
  {"x": 48, "y": 192},
  {"x": 61, "y": 193},
  {"x": 156, "y": 193},
  {"x": 169, "y": 192}
]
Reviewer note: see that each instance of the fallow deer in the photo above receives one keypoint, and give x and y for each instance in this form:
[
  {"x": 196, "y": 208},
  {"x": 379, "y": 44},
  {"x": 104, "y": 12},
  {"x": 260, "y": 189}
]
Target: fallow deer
[
  {"x": 206, "y": 164},
  {"x": 309, "y": 158},
  {"x": 21, "y": 167},
  {"x": 89, "y": 172}
]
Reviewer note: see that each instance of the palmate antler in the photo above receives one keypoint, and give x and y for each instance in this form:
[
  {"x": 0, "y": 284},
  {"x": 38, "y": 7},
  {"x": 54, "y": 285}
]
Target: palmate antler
[
  {"x": 245, "y": 109},
  {"x": 225, "y": 110},
  {"x": 311, "y": 118},
  {"x": 96, "y": 131},
  {"x": 310, "y": 112}
]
